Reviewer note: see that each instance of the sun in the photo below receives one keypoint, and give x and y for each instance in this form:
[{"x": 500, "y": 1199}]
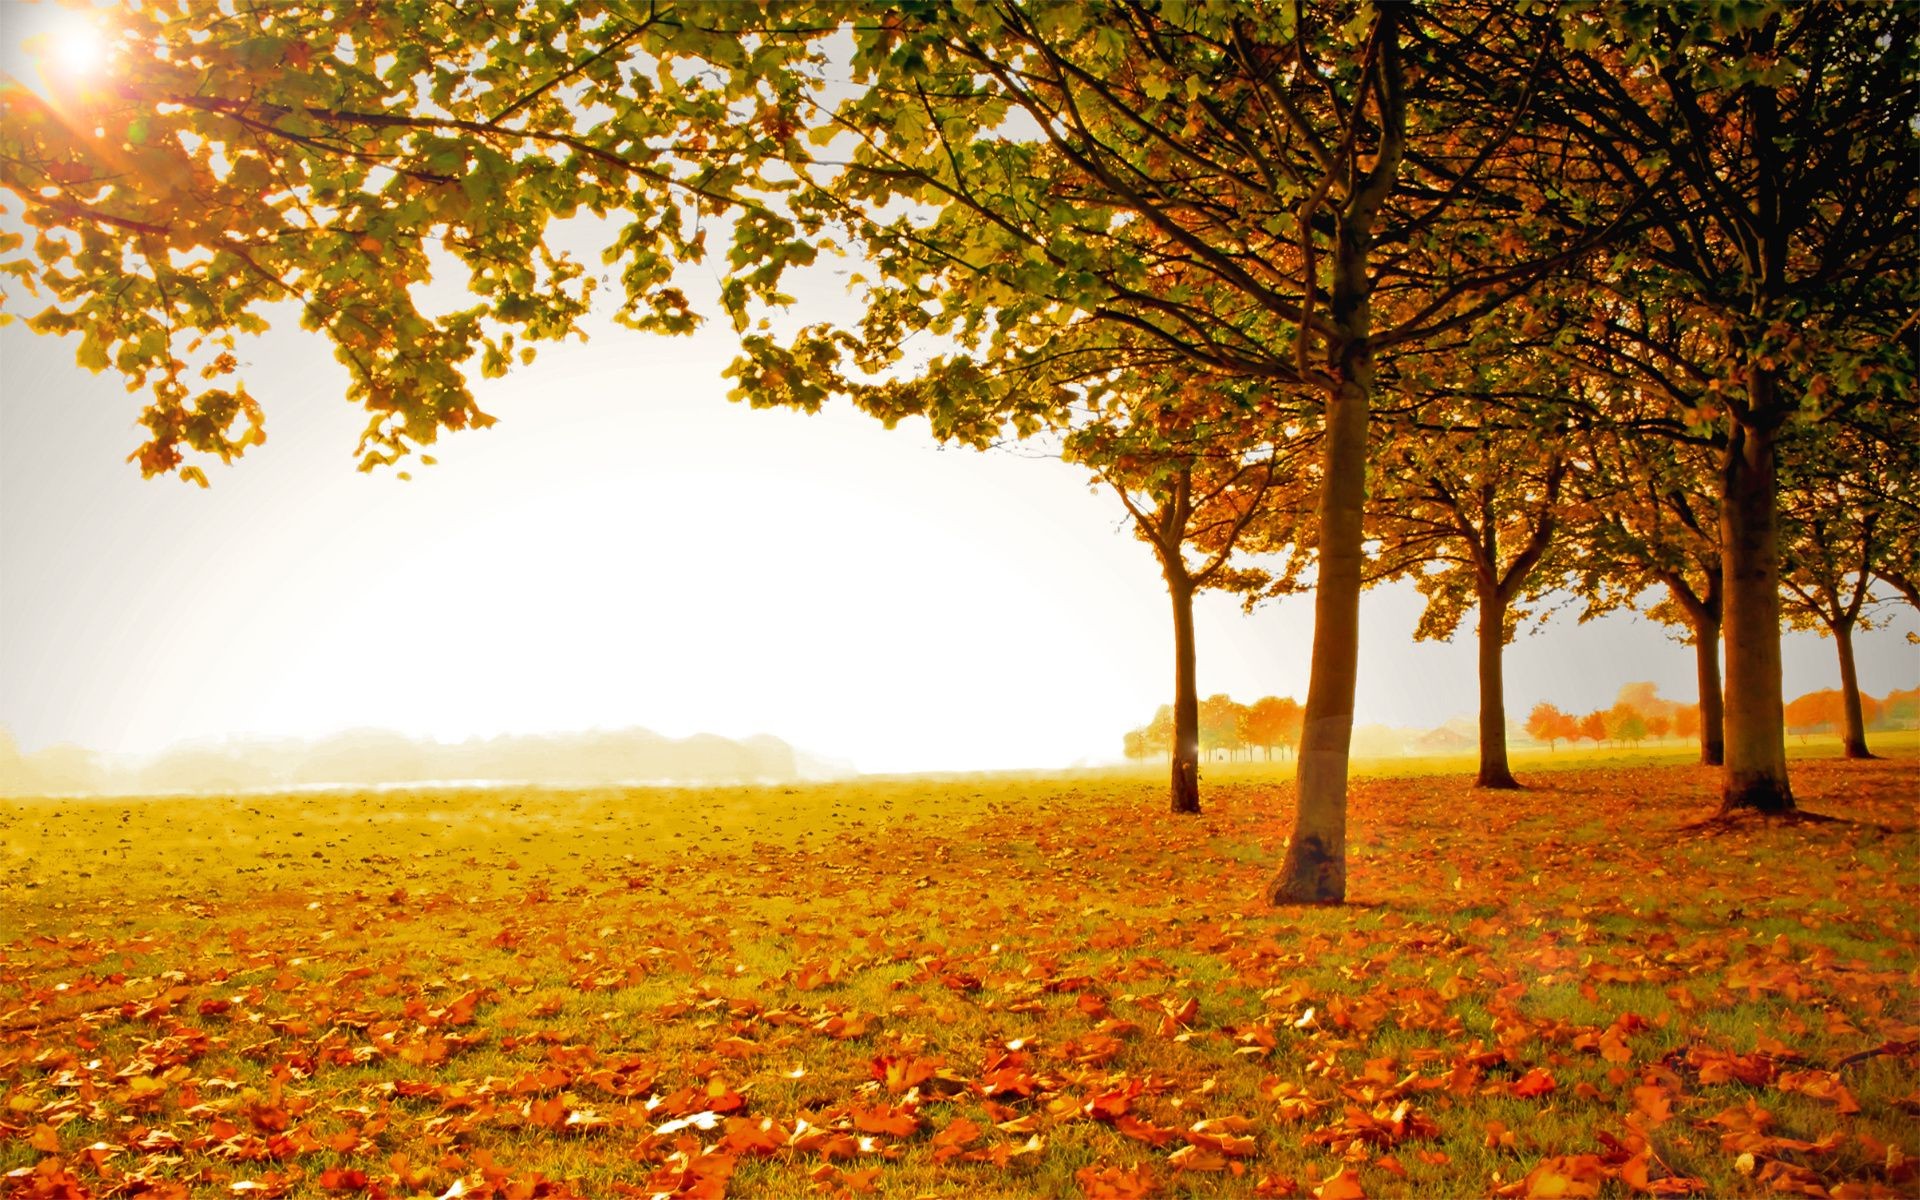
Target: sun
[{"x": 76, "y": 49}]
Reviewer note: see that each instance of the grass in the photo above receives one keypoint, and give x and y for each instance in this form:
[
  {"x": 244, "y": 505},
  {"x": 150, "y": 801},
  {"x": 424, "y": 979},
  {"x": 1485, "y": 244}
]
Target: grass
[{"x": 1007, "y": 985}]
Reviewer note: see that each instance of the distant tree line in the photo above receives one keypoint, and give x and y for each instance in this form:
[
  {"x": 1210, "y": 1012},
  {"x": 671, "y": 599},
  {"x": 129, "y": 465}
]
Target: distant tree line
[
  {"x": 1640, "y": 714},
  {"x": 1228, "y": 729}
]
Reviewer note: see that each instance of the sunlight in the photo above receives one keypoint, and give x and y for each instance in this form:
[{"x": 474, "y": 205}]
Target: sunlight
[{"x": 77, "y": 49}]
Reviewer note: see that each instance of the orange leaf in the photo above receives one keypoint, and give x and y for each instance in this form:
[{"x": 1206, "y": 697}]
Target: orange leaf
[
  {"x": 1537, "y": 1082},
  {"x": 1197, "y": 1158},
  {"x": 1112, "y": 1183},
  {"x": 954, "y": 1139}
]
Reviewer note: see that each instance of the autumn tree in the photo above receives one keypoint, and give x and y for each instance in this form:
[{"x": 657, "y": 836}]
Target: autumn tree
[
  {"x": 1157, "y": 735},
  {"x": 1192, "y": 460},
  {"x": 1546, "y": 723},
  {"x": 1274, "y": 721},
  {"x": 1593, "y": 727},
  {"x": 1245, "y": 187},
  {"x": 1220, "y": 724},
  {"x": 1827, "y": 710},
  {"x": 1774, "y": 146},
  {"x": 332, "y": 157},
  {"x": 1650, "y": 519},
  {"x": 1837, "y": 503},
  {"x": 1625, "y": 723},
  {"x": 1469, "y": 516},
  {"x": 1686, "y": 720}
]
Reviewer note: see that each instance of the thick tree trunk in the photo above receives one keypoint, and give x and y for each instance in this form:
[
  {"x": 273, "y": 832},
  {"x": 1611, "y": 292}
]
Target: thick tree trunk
[
  {"x": 1755, "y": 772},
  {"x": 1494, "y": 772},
  {"x": 1853, "y": 742},
  {"x": 1706, "y": 661},
  {"x": 1185, "y": 795},
  {"x": 1315, "y": 868}
]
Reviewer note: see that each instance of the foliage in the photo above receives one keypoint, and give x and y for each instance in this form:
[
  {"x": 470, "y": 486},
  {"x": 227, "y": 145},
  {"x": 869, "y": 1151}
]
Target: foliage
[
  {"x": 1548, "y": 724},
  {"x": 1826, "y": 710},
  {"x": 1274, "y": 721},
  {"x": 337, "y": 157}
]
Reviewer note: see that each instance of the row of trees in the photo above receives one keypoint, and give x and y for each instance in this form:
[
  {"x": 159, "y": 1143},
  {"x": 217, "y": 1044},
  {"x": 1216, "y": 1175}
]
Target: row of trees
[
  {"x": 1226, "y": 727},
  {"x": 1640, "y": 713},
  {"x": 1502, "y": 299}
]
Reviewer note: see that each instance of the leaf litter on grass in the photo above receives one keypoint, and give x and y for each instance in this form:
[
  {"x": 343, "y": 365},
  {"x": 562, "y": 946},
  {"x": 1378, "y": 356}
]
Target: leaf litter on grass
[{"x": 967, "y": 988}]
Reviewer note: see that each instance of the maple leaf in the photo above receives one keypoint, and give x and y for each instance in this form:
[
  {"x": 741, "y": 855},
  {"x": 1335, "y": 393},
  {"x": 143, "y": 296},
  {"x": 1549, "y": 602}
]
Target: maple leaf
[
  {"x": 1112, "y": 1104},
  {"x": 1341, "y": 1185},
  {"x": 1196, "y": 1157},
  {"x": 896, "y": 1121},
  {"x": 1145, "y": 1131},
  {"x": 1655, "y": 1102},
  {"x": 1113, "y": 1183},
  {"x": 1563, "y": 1177},
  {"x": 1229, "y": 1135},
  {"x": 953, "y": 1140},
  {"x": 343, "y": 1179},
  {"x": 1536, "y": 1082},
  {"x": 902, "y": 1073}
]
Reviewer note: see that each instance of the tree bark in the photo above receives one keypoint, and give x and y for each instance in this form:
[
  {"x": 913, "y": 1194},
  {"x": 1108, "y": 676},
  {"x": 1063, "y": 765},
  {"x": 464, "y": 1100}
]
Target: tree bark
[
  {"x": 1314, "y": 870},
  {"x": 1494, "y": 771},
  {"x": 1755, "y": 772},
  {"x": 1185, "y": 793},
  {"x": 1853, "y": 742},
  {"x": 1706, "y": 661}
]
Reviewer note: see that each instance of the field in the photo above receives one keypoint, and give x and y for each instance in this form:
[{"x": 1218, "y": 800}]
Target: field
[{"x": 981, "y": 986}]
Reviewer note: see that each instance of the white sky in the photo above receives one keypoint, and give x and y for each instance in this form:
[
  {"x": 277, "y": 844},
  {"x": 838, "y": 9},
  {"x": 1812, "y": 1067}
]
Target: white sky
[{"x": 628, "y": 548}]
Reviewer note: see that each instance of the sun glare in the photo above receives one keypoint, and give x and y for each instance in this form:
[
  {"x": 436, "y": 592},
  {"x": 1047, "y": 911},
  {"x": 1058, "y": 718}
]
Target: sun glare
[{"x": 77, "y": 49}]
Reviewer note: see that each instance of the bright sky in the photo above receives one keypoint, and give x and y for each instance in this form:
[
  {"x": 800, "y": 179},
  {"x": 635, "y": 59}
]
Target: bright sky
[{"x": 628, "y": 548}]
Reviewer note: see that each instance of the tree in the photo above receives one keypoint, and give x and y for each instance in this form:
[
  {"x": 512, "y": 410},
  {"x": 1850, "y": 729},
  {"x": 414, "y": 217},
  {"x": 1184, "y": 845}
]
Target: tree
[
  {"x": 1152, "y": 739},
  {"x": 329, "y": 157},
  {"x": 1658, "y": 725},
  {"x": 1469, "y": 517},
  {"x": 1827, "y": 710},
  {"x": 1225, "y": 183},
  {"x": 1686, "y": 720},
  {"x": 1625, "y": 723},
  {"x": 1593, "y": 727},
  {"x": 1194, "y": 461},
  {"x": 1832, "y": 534},
  {"x": 1548, "y": 724},
  {"x": 1775, "y": 147},
  {"x": 1274, "y": 721},
  {"x": 1220, "y": 724},
  {"x": 1650, "y": 522}
]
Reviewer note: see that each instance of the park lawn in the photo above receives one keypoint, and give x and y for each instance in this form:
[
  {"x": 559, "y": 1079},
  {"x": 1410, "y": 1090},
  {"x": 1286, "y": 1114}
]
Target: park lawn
[{"x": 973, "y": 986}]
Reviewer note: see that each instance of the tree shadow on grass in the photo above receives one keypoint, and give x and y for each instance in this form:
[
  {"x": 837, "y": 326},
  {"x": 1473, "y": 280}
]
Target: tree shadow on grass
[{"x": 1742, "y": 820}]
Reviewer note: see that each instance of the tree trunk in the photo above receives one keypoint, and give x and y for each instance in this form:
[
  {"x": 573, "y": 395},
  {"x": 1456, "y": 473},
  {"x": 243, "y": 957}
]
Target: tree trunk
[
  {"x": 1853, "y": 742},
  {"x": 1755, "y": 772},
  {"x": 1706, "y": 660},
  {"x": 1494, "y": 772},
  {"x": 1315, "y": 868},
  {"x": 1185, "y": 795}
]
